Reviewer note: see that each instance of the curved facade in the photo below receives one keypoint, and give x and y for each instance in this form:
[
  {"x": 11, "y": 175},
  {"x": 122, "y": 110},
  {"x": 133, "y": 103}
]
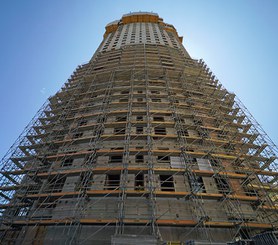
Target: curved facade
[
  {"x": 141, "y": 145},
  {"x": 140, "y": 28}
]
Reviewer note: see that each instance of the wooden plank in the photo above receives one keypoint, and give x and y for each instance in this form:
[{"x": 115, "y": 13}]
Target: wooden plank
[
  {"x": 177, "y": 222},
  {"x": 242, "y": 197},
  {"x": 103, "y": 192},
  {"x": 162, "y": 222},
  {"x": 223, "y": 224},
  {"x": 54, "y": 194},
  {"x": 257, "y": 225},
  {"x": 272, "y": 208},
  {"x": 214, "y": 196}
]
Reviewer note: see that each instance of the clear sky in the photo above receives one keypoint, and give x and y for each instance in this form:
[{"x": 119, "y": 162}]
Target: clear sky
[{"x": 42, "y": 42}]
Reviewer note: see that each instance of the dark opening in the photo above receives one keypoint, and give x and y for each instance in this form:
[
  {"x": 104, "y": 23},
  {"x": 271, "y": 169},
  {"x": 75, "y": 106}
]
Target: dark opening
[
  {"x": 121, "y": 119},
  {"x": 156, "y": 100},
  {"x": 222, "y": 185},
  {"x": 139, "y": 158},
  {"x": 160, "y": 130},
  {"x": 197, "y": 184},
  {"x": 77, "y": 135},
  {"x": 163, "y": 158},
  {"x": 139, "y": 182},
  {"x": 166, "y": 183},
  {"x": 214, "y": 162},
  {"x": 116, "y": 159},
  {"x": 67, "y": 162},
  {"x": 112, "y": 181},
  {"x": 158, "y": 119},
  {"x": 55, "y": 185},
  {"x": 82, "y": 122},
  {"x": 119, "y": 130},
  {"x": 101, "y": 120},
  {"x": 139, "y": 130}
]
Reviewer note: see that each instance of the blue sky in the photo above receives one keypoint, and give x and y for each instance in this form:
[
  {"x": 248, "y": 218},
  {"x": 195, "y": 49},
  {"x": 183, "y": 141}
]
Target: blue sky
[{"x": 42, "y": 42}]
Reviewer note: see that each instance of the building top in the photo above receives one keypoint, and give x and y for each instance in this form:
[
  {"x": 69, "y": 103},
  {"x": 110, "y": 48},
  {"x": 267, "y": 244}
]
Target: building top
[
  {"x": 140, "y": 27},
  {"x": 140, "y": 13},
  {"x": 135, "y": 17}
]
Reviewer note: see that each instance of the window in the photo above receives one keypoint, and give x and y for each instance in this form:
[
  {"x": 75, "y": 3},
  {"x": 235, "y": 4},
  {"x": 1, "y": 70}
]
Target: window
[
  {"x": 123, "y": 100},
  {"x": 139, "y": 118},
  {"x": 116, "y": 159},
  {"x": 155, "y": 92},
  {"x": 139, "y": 92},
  {"x": 215, "y": 162},
  {"x": 112, "y": 181},
  {"x": 158, "y": 119},
  {"x": 139, "y": 130},
  {"x": 183, "y": 132},
  {"x": 166, "y": 183},
  {"x": 139, "y": 182},
  {"x": 23, "y": 211},
  {"x": 121, "y": 119},
  {"x": 251, "y": 192},
  {"x": 160, "y": 130},
  {"x": 163, "y": 158},
  {"x": 125, "y": 92},
  {"x": 119, "y": 130},
  {"x": 55, "y": 185},
  {"x": 82, "y": 122},
  {"x": 193, "y": 160},
  {"x": 156, "y": 100},
  {"x": 222, "y": 185},
  {"x": 77, "y": 135},
  {"x": 139, "y": 99},
  {"x": 197, "y": 184},
  {"x": 139, "y": 159},
  {"x": 101, "y": 120},
  {"x": 67, "y": 162}
]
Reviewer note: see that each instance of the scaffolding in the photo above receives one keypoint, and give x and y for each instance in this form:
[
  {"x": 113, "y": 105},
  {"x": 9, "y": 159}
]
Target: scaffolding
[{"x": 140, "y": 140}]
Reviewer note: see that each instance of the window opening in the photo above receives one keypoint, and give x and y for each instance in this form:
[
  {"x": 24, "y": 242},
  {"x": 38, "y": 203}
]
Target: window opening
[
  {"x": 156, "y": 100},
  {"x": 163, "y": 158},
  {"x": 197, "y": 184},
  {"x": 139, "y": 159},
  {"x": 160, "y": 130},
  {"x": 116, "y": 159},
  {"x": 139, "y": 182},
  {"x": 119, "y": 130},
  {"x": 77, "y": 135},
  {"x": 112, "y": 181},
  {"x": 121, "y": 119},
  {"x": 158, "y": 119},
  {"x": 139, "y": 130},
  {"x": 222, "y": 185},
  {"x": 166, "y": 183},
  {"x": 67, "y": 162}
]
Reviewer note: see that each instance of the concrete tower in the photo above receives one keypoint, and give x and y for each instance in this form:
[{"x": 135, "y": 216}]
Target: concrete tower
[{"x": 142, "y": 145}]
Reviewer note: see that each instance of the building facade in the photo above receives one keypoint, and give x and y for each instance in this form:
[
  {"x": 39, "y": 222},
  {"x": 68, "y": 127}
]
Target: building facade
[{"x": 141, "y": 145}]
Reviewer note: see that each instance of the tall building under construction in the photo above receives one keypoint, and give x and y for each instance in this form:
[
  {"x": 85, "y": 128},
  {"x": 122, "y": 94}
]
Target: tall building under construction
[{"x": 142, "y": 145}]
